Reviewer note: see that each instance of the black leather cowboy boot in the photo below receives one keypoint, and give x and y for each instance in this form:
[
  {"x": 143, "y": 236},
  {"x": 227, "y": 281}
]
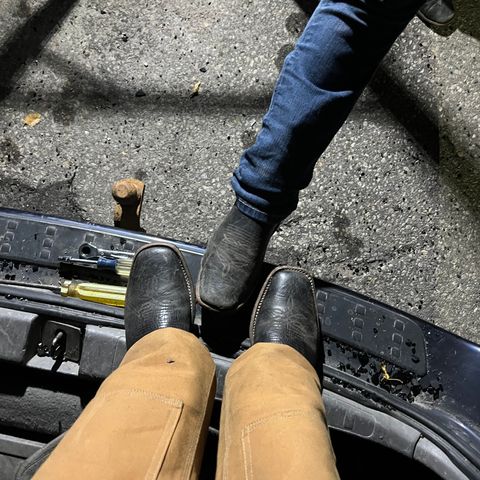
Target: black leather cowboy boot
[
  {"x": 159, "y": 293},
  {"x": 286, "y": 312},
  {"x": 232, "y": 264},
  {"x": 437, "y": 12}
]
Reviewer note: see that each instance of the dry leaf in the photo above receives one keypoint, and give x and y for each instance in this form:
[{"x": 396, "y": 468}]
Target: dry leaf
[
  {"x": 32, "y": 119},
  {"x": 195, "y": 89}
]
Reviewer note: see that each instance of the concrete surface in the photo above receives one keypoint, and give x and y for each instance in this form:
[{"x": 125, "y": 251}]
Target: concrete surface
[{"x": 393, "y": 210}]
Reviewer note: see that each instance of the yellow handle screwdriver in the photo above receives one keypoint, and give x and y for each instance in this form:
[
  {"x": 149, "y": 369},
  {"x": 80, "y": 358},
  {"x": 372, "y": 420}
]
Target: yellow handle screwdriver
[{"x": 113, "y": 295}]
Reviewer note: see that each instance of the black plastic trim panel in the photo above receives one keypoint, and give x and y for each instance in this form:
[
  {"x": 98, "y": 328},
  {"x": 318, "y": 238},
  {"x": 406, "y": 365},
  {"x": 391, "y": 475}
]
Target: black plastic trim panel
[{"x": 372, "y": 328}]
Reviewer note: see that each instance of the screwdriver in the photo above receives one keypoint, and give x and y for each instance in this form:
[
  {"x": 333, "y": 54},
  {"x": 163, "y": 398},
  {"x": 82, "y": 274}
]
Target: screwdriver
[
  {"x": 121, "y": 266},
  {"x": 94, "y": 292}
]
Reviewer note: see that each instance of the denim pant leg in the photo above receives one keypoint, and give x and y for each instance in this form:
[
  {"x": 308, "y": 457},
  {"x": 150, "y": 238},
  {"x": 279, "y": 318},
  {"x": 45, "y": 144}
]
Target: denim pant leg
[{"x": 321, "y": 79}]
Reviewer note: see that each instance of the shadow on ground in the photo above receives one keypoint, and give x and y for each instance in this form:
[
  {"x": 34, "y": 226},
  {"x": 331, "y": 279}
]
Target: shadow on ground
[
  {"x": 25, "y": 43},
  {"x": 89, "y": 92},
  {"x": 54, "y": 198}
]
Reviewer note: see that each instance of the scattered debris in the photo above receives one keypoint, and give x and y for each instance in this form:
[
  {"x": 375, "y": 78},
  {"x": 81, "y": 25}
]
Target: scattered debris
[
  {"x": 195, "y": 89},
  {"x": 398, "y": 381},
  {"x": 32, "y": 119},
  {"x": 386, "y": 376},
  {"x": 363, "y": 358},
  {"x": 203, "y": 69},
  {"x": 124, "y": 37}
]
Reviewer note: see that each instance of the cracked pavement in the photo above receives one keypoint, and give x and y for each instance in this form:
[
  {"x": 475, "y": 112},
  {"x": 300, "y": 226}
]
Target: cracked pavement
[{"x": 393, "y": 209}]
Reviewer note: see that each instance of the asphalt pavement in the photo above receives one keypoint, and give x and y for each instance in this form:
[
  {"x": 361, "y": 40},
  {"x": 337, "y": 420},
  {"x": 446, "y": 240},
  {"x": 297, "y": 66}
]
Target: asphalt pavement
[{"x": 393, "y": 209}]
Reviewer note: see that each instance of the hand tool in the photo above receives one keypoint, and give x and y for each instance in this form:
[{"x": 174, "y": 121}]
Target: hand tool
[
  {"x": 90, "y": 251},
  {"x": 121, "y": 266},
  {"x": 94, "y": 292}
]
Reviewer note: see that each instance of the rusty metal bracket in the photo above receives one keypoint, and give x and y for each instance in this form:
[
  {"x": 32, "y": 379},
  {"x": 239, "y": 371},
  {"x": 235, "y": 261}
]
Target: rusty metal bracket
[{"x": 128, "y": 195}]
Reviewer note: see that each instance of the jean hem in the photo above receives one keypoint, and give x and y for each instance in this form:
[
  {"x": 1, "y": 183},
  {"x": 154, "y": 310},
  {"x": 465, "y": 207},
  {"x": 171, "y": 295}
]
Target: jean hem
[{"x": 256, "y": 214}]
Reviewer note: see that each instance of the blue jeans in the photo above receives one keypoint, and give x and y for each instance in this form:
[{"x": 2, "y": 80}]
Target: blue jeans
[{"x": 321, "y": 80}]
